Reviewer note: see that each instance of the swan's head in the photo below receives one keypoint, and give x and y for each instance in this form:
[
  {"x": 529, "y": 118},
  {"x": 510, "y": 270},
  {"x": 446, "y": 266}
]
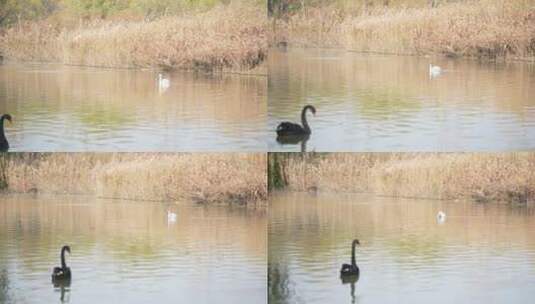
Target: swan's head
[
  {"x": 7, "y": 116},
  {"x": 311, "y": 108},
  {"x": 66, "y": 248},
  {"x": 355, "y": 242}
]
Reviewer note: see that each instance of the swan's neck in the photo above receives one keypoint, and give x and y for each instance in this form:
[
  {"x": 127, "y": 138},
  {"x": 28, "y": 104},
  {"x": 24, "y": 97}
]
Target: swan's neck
[
  {"x": 353, "y": 260},
  {"x": 63, "y": 264},
  {"x": 304, "y": 120}
]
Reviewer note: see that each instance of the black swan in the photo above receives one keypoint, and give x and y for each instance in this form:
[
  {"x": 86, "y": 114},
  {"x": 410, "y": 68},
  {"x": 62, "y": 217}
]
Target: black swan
[
  {"x": 62, "y": 273},
  {"x": 4, "y": 145},
  {"x": 291, "y": 129},
  {"x": 351, "y": 269}
]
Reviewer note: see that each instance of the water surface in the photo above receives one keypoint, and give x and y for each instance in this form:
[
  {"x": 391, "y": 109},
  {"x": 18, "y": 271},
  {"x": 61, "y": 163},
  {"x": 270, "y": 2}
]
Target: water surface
[
  {"x": 66, "y": 108},
  {"x": 482, "y": 253},
  {"x": 127, "y": 252},
  {"x": 370, "y": 102}
]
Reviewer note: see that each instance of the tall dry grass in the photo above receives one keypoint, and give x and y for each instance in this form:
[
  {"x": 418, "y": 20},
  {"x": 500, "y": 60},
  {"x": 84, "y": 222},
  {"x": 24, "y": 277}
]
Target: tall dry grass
[
  {"x": 508, "y": 177},
  {"x": 231, "y": 37},
  {"x": 204, "y": 178},
  {"x": 481, "y": 28}
]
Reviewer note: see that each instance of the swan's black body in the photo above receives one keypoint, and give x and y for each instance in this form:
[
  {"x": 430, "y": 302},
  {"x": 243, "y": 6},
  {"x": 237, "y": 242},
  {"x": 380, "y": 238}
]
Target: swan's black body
[
  {"x": 351, "y": 269},
  {"x": 290, "y": 129},
  {"x": 4, "y": 145},
  {"x": 63, "y": 273}
]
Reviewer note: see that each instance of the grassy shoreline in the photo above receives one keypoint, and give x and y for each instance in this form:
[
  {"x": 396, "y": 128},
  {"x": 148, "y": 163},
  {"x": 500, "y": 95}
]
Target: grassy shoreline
[
  {"x": 490, "y": 29},
  {"x": 224, "y": 38},
  {"x": 483, "y": 177},
  {"x": 201, "y": 177}
]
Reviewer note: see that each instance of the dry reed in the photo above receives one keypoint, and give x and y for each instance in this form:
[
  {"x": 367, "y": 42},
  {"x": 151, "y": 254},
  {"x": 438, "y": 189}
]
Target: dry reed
[
  {"x": 483, "y": 28},
  {"x": 508, "y": 177},
  {"x": 203, "y": 178},
  {"x": 229, "y": 37}
]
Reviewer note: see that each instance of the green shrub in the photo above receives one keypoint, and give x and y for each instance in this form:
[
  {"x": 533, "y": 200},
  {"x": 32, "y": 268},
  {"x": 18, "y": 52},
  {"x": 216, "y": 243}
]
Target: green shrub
[
  {"x": 14, "y": 10},
  {"x": 96, "y": 8}
]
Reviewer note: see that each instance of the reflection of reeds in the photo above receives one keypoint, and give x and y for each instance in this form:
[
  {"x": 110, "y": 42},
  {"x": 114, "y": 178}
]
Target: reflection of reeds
[
  {"x": 337, "y": 218},
  {"x": 389, "y": 84},
  {"x": 116, "y": 225},
  {"x": 87, "y": 93},
  {"x": 226, "y": 37},
  {"x": 484, "y": 28},
  {"x": 3, "y": 174},
  {"x": 506, "y": 177},
  {"x": 205, "y": 178}
]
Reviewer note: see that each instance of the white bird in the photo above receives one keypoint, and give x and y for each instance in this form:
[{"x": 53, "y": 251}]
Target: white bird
[
  {"x": 171, "y": 217},
  {"x": 434, "y": 70},
  {"x": 163, "y": 83},
  {"x": 441, "y": 216}
]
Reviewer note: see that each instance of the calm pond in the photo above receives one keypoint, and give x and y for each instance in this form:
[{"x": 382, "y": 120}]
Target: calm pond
[
  {"x": 390, "y": 103},
  {"x": 481, "y": 253},
  {"x": 66, "y": 108},
  {"x": 127, "y": 252}
]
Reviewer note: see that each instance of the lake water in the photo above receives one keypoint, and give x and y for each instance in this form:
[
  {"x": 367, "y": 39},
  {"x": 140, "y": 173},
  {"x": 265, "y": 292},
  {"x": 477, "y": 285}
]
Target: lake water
[
  {"x": 127, "y": 252},
  {"x": 66, "y": 108},
  {"x": 481, "y": 253},
  {"x": 370, "y": 102}
]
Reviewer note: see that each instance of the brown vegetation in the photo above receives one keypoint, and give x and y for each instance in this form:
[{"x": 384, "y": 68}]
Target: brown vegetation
[
  {"x": 227, "y": 37},
  {"x": 203, "y": 178},
  {"x": 482, "y": 28},
  {"x": 508, "y": 177}
]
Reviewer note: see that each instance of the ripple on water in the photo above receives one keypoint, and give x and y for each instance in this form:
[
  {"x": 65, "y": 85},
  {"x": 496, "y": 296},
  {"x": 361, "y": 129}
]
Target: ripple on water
[
  {"x": 403, "y": 256},
  {"x": 128, "y": 249},
  {"x": 387, "y": 103},
  {"x": 70, "y": 109}
]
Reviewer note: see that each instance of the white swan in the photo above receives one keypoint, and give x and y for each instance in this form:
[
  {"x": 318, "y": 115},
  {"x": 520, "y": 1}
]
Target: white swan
[
  {"x": 171, "y": 216},
  {"x": 441, "y": 216},
  {"x": 434, "y": 70},
  {"x": 163, "y": 83}
]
